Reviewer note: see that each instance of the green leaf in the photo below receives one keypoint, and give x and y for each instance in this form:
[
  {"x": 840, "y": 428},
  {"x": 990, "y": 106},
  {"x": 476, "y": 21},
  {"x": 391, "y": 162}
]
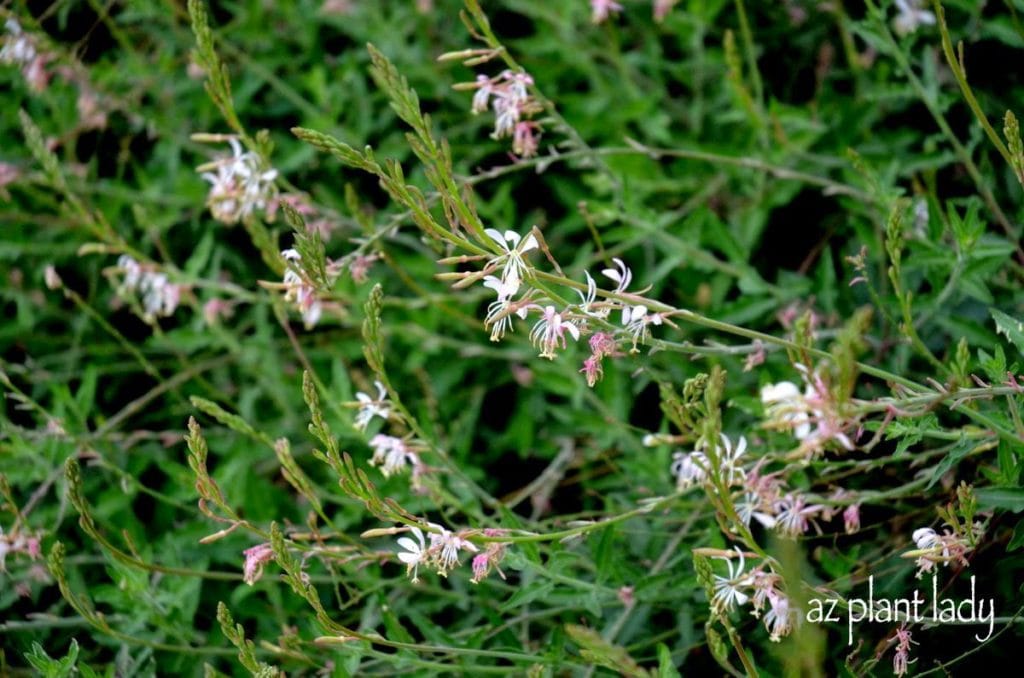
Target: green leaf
[
  {"x": 1007, "y": 498},
  {"x": 1013, "y": 329},
  {"x": 527, "y": 594},
  {"x": 1017, "y": 540},
  {"x": 666, "y": 667},
  {"x": 961, "y": 449},
  {"x": 50, "y": 667}
]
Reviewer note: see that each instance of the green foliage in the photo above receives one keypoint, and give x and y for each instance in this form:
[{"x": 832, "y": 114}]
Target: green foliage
[{"x": 804, "y": 193}]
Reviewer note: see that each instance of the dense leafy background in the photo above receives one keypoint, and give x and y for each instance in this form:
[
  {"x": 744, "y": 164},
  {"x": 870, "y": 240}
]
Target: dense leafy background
[{"x": 831, "y": 108}]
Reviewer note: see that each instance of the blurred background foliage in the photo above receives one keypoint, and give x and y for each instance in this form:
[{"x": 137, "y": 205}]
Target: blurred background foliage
[{"x": 766, "y": 181}]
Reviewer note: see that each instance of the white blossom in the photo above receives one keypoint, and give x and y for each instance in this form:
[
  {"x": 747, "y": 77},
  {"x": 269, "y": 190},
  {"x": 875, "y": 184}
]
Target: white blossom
[
  {"x": 414, "y": 554},
  {"x": 157, "y": 294},
  {"x": 239, "y": 186},
  {"x": 370, "y": 408},
  {"x": 911, "y": 16},
  {"x": 392, "y": 454},
  {"x": 727, "y": 590},
  {"x": 786, "y": 406},
  {"x": 689, "y": 468},
  {"x": 299, "y": 291},
  {"x": 446, "y": 546},
  {"x": 636, "y": 320},
  {"x": 18, "y": 48},
  {"x": 549, "y": 332},
  {"x": 513, "y": 265},
  {"x": 620, "y": 275},
  {"x": 500, "y": 312}
]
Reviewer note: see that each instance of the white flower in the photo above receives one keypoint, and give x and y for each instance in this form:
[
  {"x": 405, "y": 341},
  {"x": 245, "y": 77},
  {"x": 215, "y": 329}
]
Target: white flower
[
  {"x": 370, "y": 408},
  {"x": 392, "y": 454},
  {"x": 729, "y": 461},
  {"x": 499, "y": 313},
  {"x": 689, "y": 468},
  {"x": 482, "y": 96},
  {"x": 513, "y": 247},
  {"x": 779, "y": 619},
  {"x": 18, "y": 48},
  {"x": 299, "y": 291},
  {"x": 727, "y": 591},
  {"x": 549, "y": 332},
  {"x": 446, "y": 547},
  {"x": 911, "y": 16},
  {"x": 794, "y": 514},
  {"x": 505, "y": 289},
  {"x": 636, "y": 320},
  {"x": 620, "y": 275},
  {"x": 158, "y": 295},
  {"x": 511, "y": 99},
  {"x": 132, "y": 271},
  {"x": 785, "y": 405},
  {"x": 925, "y": 538},
  {"x": 749, "y": 507},
  {"x": 239, "y": 186},
  {"x": 414, "y": 554},
  {"x": 587, "y": 300}
]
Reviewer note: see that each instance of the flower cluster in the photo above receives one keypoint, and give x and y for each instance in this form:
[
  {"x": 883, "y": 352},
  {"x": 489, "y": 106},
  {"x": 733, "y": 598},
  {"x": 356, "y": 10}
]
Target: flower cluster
[
  {"x": 695, "y": 468},
  {"x": 239, "y": 185},
  {"x": 19, "y": 49},
  {"x": 813, "y": 417},
  {"x": 394, "y": 455},
  {"x": 761, "y": 587},
  {"x": 556, "y": 326},
  {"x": 942, "y": 549},
  {"x": 159, "y": 296},
  {"x": 443, "y": 552},
  {"x": 758, "y": 496},
  {"x": 508, "y": 96}
]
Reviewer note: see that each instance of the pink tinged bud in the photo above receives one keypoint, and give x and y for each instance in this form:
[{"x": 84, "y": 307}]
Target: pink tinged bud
[
  {"x": 524, "y": 143},
  {"x": 215, "y": 309},
  {"x": 481, "y": 566},
  {"x": 603, "y": 344},
  {"x": 661, "y": 9},
  {"x": 52, "y": 279},
  {"x": 36, "y": 75},
  {"x": 601, "y": 9},
  {"x": 851, "y": 518},
  {"x": 592, "y": 368},
  {"x": 625, "y": 595},
  {"x": 255, "y": 558}
]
